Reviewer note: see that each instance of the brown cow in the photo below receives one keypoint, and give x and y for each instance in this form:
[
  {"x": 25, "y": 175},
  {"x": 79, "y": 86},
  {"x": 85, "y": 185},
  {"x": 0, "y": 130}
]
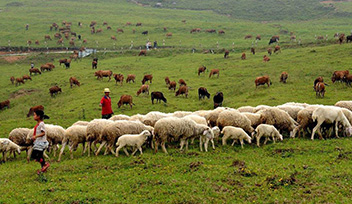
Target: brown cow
[
  {"x": 47, "y": 37},
  {"x": 277, "y": 49},
  {"x": 320, "y": 89},
  {"x": 341, "y": 38},
  {"x": 339, "y": 75},
  {"x": 165, "y": 29},
  {"x": 182, "y": 82},
  {"x": 37, "y": 42},
  {"x": 182, "y": 90},
  {"x": 253, "y": 50},
  {"x": 221, "y": 32},
  {"x": 172, "y": 85},
  {"x": 105, "y": 23},
  {"x": 348, "y": 79},
  {"x": 167, "y": 81},
  {"x": 29, "y": 42},
  {"x": 125, "y": 99},
  {"x": 54, "y": 90},
  {"x": 45, "y": 67},
  {"x": 147, "y": 77},
  {"x": 62, "y": 61},
  {"x": 60, "y": 41},
  {"x": 226, "y": 55},
  {"x": 168, "y": 34},
  {"x": 84, "y": 41},
  {"x": 99, "y": 30},
  {"x": 34, "y": 70},
  {"x": 243, "y": 57},
  {"x": 108, "y": 28},
  {"x": 183, "y": 21},
  {"x": 283, "y": 77},
  {"x": 270, "y": 51},
  {"x": 19, "y": 81},
  {"x": 143, "y": 52},
  {"x": 4, "y": 104},
  {"x": 210, "y": 30},
  {"x": 103, "y": 73},
  {"x": 130, "y": 77},
  {"x": 119, "y": 30},
  {"x": 201, "y": 70},
  {"x": 266, "y": 59},
  {"x": 119, "y": 78},
  {"x": 138, "y": 24},
  {"x": 128, "y": 23},
  {"x": 12, "y": 79},
  {"x": 213, "y": 72},
  {"x": 94, "y": 64},
  {"x": 144, "y": 89},
  {"x": 33, "y": 109},
  {"x": 247, "y": 37},
  {"x": 72, "y": 43},
  {"x": 113, "y": 38},
  {"x": 26, "y": 77},
  {"x": 262, "y": 80},
  {"x": 57, "y": 35},
  {"x": 258, "y": 37},
  {"x": 74, "y": 81}
]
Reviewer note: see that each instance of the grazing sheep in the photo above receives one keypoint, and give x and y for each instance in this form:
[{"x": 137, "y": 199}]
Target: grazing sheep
[
  {"x": 303, "y": 105},
  {"x": 266, "y": 131},
  {"x": 202, "y": 113},
  {"x": 172, "y": 85},
  {"x": 119, "y": 117},
  {"x": 152, "y": 117},
  {"x": 291, "y": 110},
  {"x": 182, "y": 82},
  {"x": 74, "y": 135},
  {"x": 125, "y": 99},
  {"x": 248, "y": 109},
  {"x": 344, "y": 104},
  {"x": 177, "y": 129},
  {"x": 218, "y": 99},
  {"x": 283, "y": 77},
  {"x": 213, "y": 72},
  {"x": 82, "y": 123},
  {"x": 181, "y": 114},
  {"x": 144, "y": 89},
  {"x": 159, "y": 96},
  {"x": 94, "y": 129},
  {"x": 305, "y": 121},
  {"x": 132, "y": 140},
  {"x": 19, "y": 136},
  {"x": 147, "y": 77},
  {"x": 201, "y": 70},
  {"x": 130, "y": 77},
  {"x": 235, "y": 133},
  {"x": 213, "y": 115},
  {"x": 202, "y": 93},
  {"x": 182, "y": 90},
  {"x": 234, "y": 118},
  {"x": 279, "y": 118},
  {"x": 330, "y": 115},
  {"x": 119, "y": 78},
  {"x": 253, "y": 117},
  {"x": 7, "y": 145},
  {"x": 261, "y": 107}
]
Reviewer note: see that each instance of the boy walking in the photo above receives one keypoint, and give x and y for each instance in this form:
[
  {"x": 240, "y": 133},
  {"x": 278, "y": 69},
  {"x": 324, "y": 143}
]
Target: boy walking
[{"x": 105, "y": 103}]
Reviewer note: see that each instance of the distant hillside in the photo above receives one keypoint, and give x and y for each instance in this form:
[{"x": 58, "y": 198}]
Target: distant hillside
[{"x": 257, "y": 10}]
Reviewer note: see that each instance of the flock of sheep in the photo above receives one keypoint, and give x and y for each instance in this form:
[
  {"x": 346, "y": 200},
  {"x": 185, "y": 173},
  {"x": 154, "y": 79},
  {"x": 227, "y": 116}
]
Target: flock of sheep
[{"x": 155, "y": 128}]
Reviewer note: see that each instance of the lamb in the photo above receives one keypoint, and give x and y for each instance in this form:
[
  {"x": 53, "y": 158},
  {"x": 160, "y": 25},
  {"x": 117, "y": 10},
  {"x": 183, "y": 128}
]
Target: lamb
[
  {"x": 120, "y": 117},
  {"x": 18, "y": 136},
  {"x": 144, "y": 89},
  {"x": 179, "y": 129},
  {"x": 279, "y": 118},
  {"x": 113, "y": 131},
  {"x": 235, "y": 133},
  {"x": 7, "y": 145},
  {"x": 234, "y": 118},
  {"x": 132, "y": 140},
  {"x": 330, "y": 114},
  {"x": 74, "y": 135},
  {"x": 344, "y": 104},
  {"x": 266, "y": 131},
  {"x": 94, "y": 129}
]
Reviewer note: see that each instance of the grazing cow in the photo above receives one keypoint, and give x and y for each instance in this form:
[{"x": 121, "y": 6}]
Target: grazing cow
[
  {"x": 12, "y": 79},
  {"x": 165, "y": 29},
  {"x": 92, "y": 23},
  {"x": 218, "y": 99},
  {"x": 129, "y": 23},
  {"x": 221, "y": 32},
  {"x": 293, "y": 38},
  {"x": 45, "y": 67},
  {"x": 62, "y": 61},
  {"x": 29, "y": 42},
  {"x": 47, "y": 37},
  {"x": 266, "y": 58},
  {"x": 317, "y": 80},
  {"x": 320, "y": 89},
  {"x": 37, "y": 42},
  {"x": 172, "y": 85},
  {"x": 133, "y": 31},
  {"x": 74, "y": 34},
  {"x": 183, "y": 21},
  {"x": 258, "y": 37},
  {"x": 182, "y": 90},
  {"x": 34, "y": 70},
  {"x": 213, "y": 72},
  {"x": 226, "y": 55},
  {"x": 339, "y": 75},
  {"x": 33, "y": 109},
  {"x": 270, "y": 51},
  {"x": 119, "y": 30},
  {"x": 347, "y": 79},
  {"x": 168, "y": 34},
  {"x": 277, "y": 49},
  {"x": 262, "y": 80},
  {"x": 247, "y": 37},
  {"x": 4, "y": 104},
  {"x": 159, "y": 96},
  {"x": 274, "y": 39},
  {"x": 138, "y": 24},
  {"x": 54, "y": 90},
  {"x": 72, "y": 43},
  {"x": 84, "y": 41},
  {"x": 283, "y": 77},
  {"x": 68, "y": 63},
  {"x": 201, "y": 70},
  {"x": 253, "y": 50},
  {"x": 202, "y": 93},
  {"x": 210, "y": 30},
  {"x": 94, "y": 64},
  {"x": 74, "y": 81},
  {"x": 125, "y": 99},
  {"x": 341, "y": 38},
  {"x": 99, "y": 30},
  {"x": 26, "y": 77},
  {"x": 108, "y": 28},
  {"x": 19, "y": 81},
  {"x": 103, "y": 73},
  {"x": 145, "y": 32},
  {"x": 182, "y": 82},
  {"x": 60, "y": 41},
  {"x": 144, "y": 89},
  {"x": 105, "y": 23},
  {"x": 143, "y": 52},
  {"x": 147, "y": 77},
  {"x": 130, "y": 77},
  {"x": 119, "y": 78},
  {"x": 167, "y": 81},
  {"x": 349, "y": 38},
  {"x": 243, "y": 57},
  {"x": 57, "y": 35}
]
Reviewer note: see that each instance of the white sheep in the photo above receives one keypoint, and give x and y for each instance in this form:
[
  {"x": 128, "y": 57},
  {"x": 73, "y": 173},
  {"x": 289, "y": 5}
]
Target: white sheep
[
  {"x": 74, "y": 135},
  {"x": 213, "y": 115},
  {"x": 19, "y": 137},
  {"x": 303, "y": 105},
  {"x": 235, "y": 133},
  {"x": 7, "y": 145},
  {"x": 137, "y": 117},
  {"x": 84, "y": 123},
  {"x": 291, "y": 110},
  {"x": 120, "y": 117},
  {"x": 246, "y": 109},
  {"x": 178, "y": 129},
  {"x": 202, "y": 113},
  {"x": 330, "y": 115},
  {"x": 94, "y": 129},
  {"x": 261, "y": 107},
  {"x": 181, "y": 114},
  {"x": 253, "y": 117},
  {"x": 266, "y": 131},
  {"x": 204, "y": 139},
  {"x": 344, "y": 104},
  {"x": 152, "y": 117},
  {"x": 132, "y": 140},
  {"x": 234, "y": 118}
]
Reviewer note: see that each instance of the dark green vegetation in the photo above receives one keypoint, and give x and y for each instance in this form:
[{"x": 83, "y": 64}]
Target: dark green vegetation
[{"x": 295, "y": 170}]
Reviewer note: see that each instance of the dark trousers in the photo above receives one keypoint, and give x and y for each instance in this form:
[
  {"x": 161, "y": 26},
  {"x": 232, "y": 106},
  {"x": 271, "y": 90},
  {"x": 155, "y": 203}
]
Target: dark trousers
[
  {"x": 38, "y": 156},
  {"x": 107, "y": 116}
]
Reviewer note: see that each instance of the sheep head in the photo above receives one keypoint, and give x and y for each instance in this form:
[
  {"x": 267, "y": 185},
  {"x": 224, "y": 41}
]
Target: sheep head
[{"x": 349, "y": 131}]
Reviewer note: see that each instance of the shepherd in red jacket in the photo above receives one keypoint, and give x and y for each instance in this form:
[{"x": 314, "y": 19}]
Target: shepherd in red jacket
[{"x": 105, "y": 103}]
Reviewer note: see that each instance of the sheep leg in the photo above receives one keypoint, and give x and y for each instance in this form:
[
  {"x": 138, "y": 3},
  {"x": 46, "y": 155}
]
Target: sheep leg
[
  {"x": 200, "y": 144},
  {"x": 126, "y": 152},
  {"x": 241, "y": 141},
  {"x": 212, "y": 143},
  {"x": 258, "y": 140},
  {"x": 45, "y": 155},
  {"x": 266, "y": 140},
  {"x": 186, "y": 144},
  {"x": 233, "y": 143},
  {"x": 117, "y": 150},
  {"x": 100, "y": 147},
  {"x": 163, "y": 147},
  {"x": 206, "y": 144},
  {"x": 62, "y": 150},
  {"x": 317, "y": 127},
  {"x": 84, "y": 148},
  {"x": 336, "y": 129},
  {"x": 29, "y": 153},
  {"x": 155, "y": 146},
  {"x": 182, "y": 144},
  {"x": 135, "y": 150},
  {"x": 192, "y": 141},
  {"x": 89, "y": 148},
  {"x": 4, "y": 156},
  {"x": 14, "y": 154}
]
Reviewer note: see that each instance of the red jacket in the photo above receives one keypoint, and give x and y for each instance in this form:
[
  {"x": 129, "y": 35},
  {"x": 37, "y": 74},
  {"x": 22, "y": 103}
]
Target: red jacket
[{"x": 106, "y": 105}]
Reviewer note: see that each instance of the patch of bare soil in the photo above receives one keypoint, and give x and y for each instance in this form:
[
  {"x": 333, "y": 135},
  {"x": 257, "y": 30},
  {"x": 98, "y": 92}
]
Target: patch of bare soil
[
  {"x": 22, "y": 92},
  {"x": 14, "y": 58}
]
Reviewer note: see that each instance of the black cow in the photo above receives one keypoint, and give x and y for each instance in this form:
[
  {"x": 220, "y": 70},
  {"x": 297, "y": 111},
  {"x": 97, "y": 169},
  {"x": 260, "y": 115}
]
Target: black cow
[
  {"x": 349, "y": 38},
  {"x": 145, "y": 32},
  {"x": 203, "y": 92},
  {"x": 158, "y": 96},
  {"x": 218, "y": 98}
]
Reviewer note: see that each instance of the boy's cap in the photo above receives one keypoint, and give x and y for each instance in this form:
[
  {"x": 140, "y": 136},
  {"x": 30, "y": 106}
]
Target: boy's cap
[{"x": 106, "y": 90}]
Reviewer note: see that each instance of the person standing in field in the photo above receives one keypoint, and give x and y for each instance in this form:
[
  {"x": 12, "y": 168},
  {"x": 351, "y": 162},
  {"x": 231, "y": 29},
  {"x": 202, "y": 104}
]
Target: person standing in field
[
  {"x": 39, "y": 141},
  {"x": 27, "y": 26},
  {"x": 105, "y": 104},
  {"x": 32, "y": 65}
]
